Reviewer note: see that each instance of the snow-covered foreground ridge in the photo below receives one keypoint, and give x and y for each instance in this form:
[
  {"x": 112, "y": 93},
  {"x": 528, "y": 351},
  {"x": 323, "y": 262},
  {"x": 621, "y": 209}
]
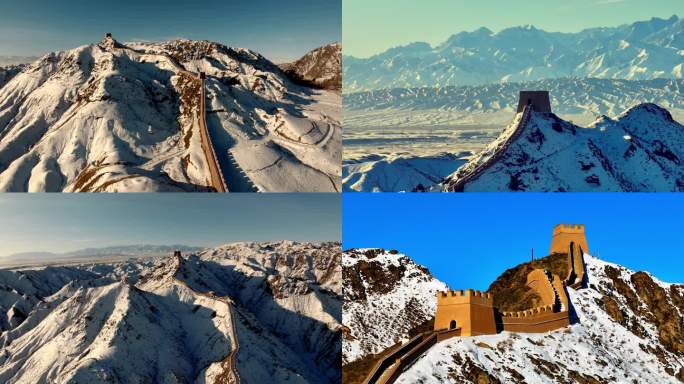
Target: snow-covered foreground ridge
[
  {"x": 239, "y": 313},
  {"x": 629, "y": 329},
  {"x": 127, "y": 117},
  {"x": 641, "y": 150}
]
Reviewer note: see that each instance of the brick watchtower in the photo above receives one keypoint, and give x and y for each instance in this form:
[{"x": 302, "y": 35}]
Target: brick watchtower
[
  {"x": 472, "y": 311},
  {"x": 539, "y": 100},
  {"x": 570, "y": 239}
]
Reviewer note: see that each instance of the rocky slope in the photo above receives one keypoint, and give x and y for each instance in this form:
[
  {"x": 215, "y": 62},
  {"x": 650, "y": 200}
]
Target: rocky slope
[
  {"x": 642, "y": 50},
  {"x": 568, "y": 96},
  {"x": 269, "y": 312},
  {"x": 630, "y": 329},
  {"x": 8, "y": 72},
  {"x": 123, "y": 117},
  {"x": 320, "y": 68},
  {"x": 386, "y": 295},
  {"x": 638, "y": 151}
]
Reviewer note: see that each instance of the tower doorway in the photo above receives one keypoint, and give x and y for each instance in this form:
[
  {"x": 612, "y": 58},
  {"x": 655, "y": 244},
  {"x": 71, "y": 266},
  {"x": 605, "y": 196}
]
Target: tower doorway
[{"x": 452, "y": 325}]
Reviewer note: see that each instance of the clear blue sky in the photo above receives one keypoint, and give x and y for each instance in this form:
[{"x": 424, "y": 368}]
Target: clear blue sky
[
  {"x": 278, "y": 29},
  {"x": 467, "y": 240},
  {"x": 66, "y": 222},
  {"x": 370, "y": 27}
]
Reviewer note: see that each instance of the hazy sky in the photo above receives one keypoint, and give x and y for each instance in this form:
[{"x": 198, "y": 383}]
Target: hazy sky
[
  {"x": 280, "y": 30},
  {"x": 467, "y": 240},
  {"x": 66, "y": 222},
  {"x": 370, "y": 27}
]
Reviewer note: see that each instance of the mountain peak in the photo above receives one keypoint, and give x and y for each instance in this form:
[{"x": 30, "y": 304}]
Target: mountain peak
[{"x": 108, "y": 42}]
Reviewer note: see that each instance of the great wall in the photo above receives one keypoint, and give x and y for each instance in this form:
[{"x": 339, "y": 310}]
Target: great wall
[
  {"x": 528, "y": 102},
  {"x": 216, "y": 179},
  {"x": 230, "y": 373},
  {"x": 462, "y": 313}
]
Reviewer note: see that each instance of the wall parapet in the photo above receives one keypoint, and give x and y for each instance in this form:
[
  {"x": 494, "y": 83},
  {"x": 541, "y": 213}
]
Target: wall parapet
[{"x": 529, "y": 312}]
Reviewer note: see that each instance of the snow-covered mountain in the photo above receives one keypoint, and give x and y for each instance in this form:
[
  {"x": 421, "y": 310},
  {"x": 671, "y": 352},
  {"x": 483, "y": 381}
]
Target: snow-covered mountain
[
  {"x": 243, "y": 312},
  {"x": 321, "y": 68},
  {"x": 641, "y": 150},
  {"x": 642, "y": 50},
  {"x": 630, "y": 329},
  {"x": 386, "y": 297},
  {"x": 399, "y": 173},
  {"x": 124, "y": 117},
  {"x": 568, "y": 96},
  {"x": 8, "y": 72}
]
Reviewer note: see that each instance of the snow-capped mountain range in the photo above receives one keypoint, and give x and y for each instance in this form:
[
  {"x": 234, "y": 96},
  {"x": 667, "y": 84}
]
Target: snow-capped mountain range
[
  {"x": 321, "y": 68},
  {"x": 124, "y": 117},
  {"x": 641, "y": 150},
  {"x": 630, "y": 329},
  {"x": 238, "y": 313},
  {"x": 568, "y": 96},
  {"x": 642, "y": 50}
]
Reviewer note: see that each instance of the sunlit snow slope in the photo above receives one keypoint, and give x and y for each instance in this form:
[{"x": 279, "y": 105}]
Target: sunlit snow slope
[
  {"x": 245, "y": 312},
  {"x": 115, "y": 117}
]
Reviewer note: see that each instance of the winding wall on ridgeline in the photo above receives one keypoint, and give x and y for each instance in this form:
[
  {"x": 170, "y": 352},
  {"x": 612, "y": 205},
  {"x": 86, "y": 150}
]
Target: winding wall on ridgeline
[
  {"x": 459, "y": 184},
  {"x": 230, "y": 362}
]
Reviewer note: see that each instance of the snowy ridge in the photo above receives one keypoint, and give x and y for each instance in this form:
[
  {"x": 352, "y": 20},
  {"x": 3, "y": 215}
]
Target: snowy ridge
[
  {"x": 385, "y": 296},
  {"x": 321, "y": 67},
  {"x": 639, "y": 151},
  {"x": 240, "y": 308},
  {"x": 121, "y": 117},
  {"x": 642, "y": 50},
  {"x": 629, "y": 330}
]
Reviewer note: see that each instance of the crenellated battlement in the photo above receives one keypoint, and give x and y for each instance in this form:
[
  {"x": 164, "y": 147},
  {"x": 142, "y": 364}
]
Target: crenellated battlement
[
  {"x": 569, "y": 228},
  {"x": 529, "y": 312},
  {"x": 452, "y": 297}
]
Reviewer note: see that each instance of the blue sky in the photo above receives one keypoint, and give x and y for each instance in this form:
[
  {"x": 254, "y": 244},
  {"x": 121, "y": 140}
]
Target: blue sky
[
  {"x": 65, "y": 222},
  {"x": 278, "y": 29},
  {"x": 490, "y": 232},
  {"x": 370, "y": 27}
]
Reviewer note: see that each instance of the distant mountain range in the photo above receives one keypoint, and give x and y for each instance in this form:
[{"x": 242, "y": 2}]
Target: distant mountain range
[
  {"x": 568, "y": 96},
  {"x": 123, "y": 250},
  {"x": 639, "y": 51},
  {"x": 16, "y": 60}
]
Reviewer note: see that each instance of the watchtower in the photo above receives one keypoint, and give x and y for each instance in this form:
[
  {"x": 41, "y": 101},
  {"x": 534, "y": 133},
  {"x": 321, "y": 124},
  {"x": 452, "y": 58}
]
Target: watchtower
[
  {"x": 565, "y": 235},
  {"x": 472, "y": 311},
  {"x": 108, "y": 35},
  {"x": 570, "y": 239},
  {"x": 538, "y": 100},
  {"x": 202, "y": 75},
  {"x": 176, "y": 253}
]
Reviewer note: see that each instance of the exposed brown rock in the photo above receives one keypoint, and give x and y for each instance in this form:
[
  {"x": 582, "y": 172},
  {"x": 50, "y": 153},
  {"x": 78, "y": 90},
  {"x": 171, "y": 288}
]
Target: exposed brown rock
[
  {"x": 471, "y": 372},
  {"x": 510, "y": 288},
  {"x": 664, "y": 315}
]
